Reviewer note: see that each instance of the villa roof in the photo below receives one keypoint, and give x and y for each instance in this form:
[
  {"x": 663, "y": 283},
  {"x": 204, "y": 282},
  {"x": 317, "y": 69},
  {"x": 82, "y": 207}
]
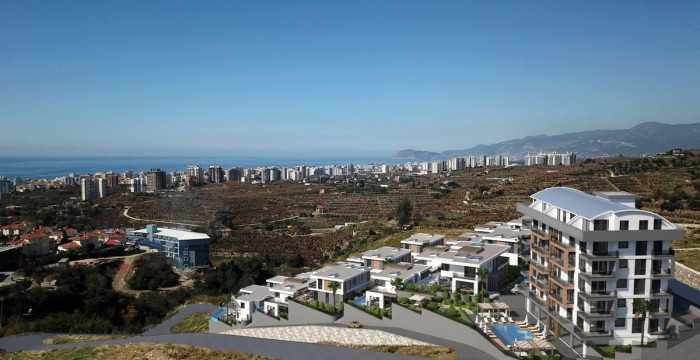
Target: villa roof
[{"x": 340, "y": 272}]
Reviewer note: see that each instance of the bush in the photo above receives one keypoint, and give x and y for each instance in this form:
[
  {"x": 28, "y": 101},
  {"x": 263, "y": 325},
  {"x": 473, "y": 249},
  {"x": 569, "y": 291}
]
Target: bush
[
  {"x": 404, "y": 300},
  {"x": 433, "y": 306}
]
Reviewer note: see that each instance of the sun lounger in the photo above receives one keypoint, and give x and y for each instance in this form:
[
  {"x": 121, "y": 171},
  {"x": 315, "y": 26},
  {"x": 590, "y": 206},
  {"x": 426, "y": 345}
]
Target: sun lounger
[
  {"x": 503, "y": 319},
  {"x": 510, "y": 319}
]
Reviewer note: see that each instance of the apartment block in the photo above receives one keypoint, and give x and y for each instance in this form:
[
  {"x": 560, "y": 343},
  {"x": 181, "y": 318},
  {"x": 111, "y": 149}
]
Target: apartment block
[{"x": 593, "y": 255}]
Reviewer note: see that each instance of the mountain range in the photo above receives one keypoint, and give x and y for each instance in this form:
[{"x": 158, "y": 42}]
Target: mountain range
[{"x": 645, "y": 138}]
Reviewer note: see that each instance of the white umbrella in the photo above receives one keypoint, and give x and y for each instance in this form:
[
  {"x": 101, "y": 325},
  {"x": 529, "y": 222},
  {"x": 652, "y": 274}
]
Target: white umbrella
[
  {"x": 527, "y": 320},
  {"x": 477, "y": 319},
  {"x": 544, "y": 329}
]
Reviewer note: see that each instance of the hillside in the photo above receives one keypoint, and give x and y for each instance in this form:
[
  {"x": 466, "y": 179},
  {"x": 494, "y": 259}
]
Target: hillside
[{"x": 646, "y": 138}]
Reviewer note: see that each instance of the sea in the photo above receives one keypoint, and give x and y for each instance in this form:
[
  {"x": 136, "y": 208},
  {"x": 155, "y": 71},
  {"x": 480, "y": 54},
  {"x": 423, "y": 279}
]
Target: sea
[{"x": 49, "y": 167}]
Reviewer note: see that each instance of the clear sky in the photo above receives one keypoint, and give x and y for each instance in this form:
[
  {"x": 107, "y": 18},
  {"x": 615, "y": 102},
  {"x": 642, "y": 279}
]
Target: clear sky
[{"x": 336, "y": 77}]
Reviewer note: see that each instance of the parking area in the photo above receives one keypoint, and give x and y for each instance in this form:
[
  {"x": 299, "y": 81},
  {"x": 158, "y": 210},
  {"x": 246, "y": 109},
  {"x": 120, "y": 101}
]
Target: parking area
[{"x": 317, "y": 334}]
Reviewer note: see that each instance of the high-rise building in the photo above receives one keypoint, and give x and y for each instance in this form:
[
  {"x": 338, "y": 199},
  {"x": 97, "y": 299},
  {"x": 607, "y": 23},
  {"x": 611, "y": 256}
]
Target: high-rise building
[
  {"x": 6, "y": 187},
  {"x": 155, "y": 180},
  {"x": 593, "y": 257},
  {"x": 112, "y": 180},
  {"x": 216, "y": 174},
  {"x": 195, "y": 175},
  {"x": 101, "y": 187},
  {"x": 87, "y": 189}
]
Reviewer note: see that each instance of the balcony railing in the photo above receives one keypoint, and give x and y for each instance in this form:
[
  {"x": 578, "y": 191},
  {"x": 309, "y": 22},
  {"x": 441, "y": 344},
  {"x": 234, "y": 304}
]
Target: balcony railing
[
  {"x": 533, "y": 296},
  {"x": 560, "y": 281},
  {"x": 594, "y": 333},
  {"x": 598, "y": 295},
  {"x": 597, "y": 255},
  {"x": 544, "y": 251},
  {"x": 596, "y": 314},
  {"x": 543, "y": 284},
  {"x": 668, "y": 252},
  {"x": 599, "y": 275},
  {"x": 660, "y": 273},
  {"x": 562, "y": 244},
  {"x": 541, "y": 234},
  {"x": 539, "y": 267}
]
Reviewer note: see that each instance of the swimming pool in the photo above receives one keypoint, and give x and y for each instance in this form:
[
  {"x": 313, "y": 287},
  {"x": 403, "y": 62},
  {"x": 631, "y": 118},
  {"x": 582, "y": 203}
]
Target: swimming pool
[
  {"x": 526, "y": 280},
  {"x": 360, "y": 301},
  {"x": 508, "y": 333}
]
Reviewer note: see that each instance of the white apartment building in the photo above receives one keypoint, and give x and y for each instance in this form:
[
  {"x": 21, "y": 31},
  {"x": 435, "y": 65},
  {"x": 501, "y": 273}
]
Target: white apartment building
[
  {"x": 592, "y": 257},
  {"x": 418, "y": 241}
]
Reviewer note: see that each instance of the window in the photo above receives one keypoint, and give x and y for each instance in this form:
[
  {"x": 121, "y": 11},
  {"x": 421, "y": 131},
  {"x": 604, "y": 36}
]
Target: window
[
  {"x": 623, "y": 264},
  {"x": 657, "y": 224},
  {"x": 620, "y": 322},
  {"x": 600, "y": 225},
  {"x": 643, "y": 224},
  {"x": 639, "y": 286},
  {"x": 621, "y": 303},
  {"x": 624, "y": 225},
  {"x": 623, "y": 244},
  {"x": 640, "y": 267},
  {"x": 641, "y": 248},
  {"x": 242, "y": 305},
  {"x": 621, "y": 283}
]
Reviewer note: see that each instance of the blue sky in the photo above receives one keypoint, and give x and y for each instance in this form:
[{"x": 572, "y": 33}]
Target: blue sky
[{"x": 335, "y": 77}]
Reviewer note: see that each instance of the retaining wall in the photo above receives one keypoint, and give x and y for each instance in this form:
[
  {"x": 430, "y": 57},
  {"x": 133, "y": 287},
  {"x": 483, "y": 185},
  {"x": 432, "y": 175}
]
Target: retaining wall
[
  {"x": 300, "y": 314},
  {"x": 353, "y": 314},
  {"x": 687, "y": 276}
]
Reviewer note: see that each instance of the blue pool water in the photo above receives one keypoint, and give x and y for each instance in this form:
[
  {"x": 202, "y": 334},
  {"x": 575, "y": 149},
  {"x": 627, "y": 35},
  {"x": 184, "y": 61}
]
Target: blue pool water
[
  {"x": 526, "y": 280},
  {"x": 508, "y": 333},
  {"x": 360, "y": 301}
]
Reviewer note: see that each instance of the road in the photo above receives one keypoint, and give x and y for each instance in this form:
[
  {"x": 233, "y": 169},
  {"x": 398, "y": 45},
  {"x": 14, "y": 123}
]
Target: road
[
  {"x": 126, "y": 214},
  {"x": 274, "y": 348}
]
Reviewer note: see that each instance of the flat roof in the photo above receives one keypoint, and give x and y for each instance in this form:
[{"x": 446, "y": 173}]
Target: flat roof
[
  {"x": 254, "y": 293},
  {"x": 342, "y": 271},
  {"x": 386, "y": 252},
  {"x": 289, "y": 287},
  {"x": 489, "y": 252},
  {"x": 578, "y": 202},
  {"x": 397, "y": 272},
  {"x": 176, "y": 233},
  {"x": 505, "y": 234},
  {"x": 420, "y": 238},
  {"x": 277, "y": 279}
]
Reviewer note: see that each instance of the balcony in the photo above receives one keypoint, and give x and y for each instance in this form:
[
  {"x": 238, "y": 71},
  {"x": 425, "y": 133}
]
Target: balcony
[
  {"x": 533, "y": 296},
  {"x": 598, "y": 295},
  {"x": 597, "y": 314},
  {"x": 660, "y": 313},
  {"x": 563, "y": 264},
  {"x": 592, "y": 334},
  {"x": 541, "y": 234},
  {"x": 562, "y": 245},
  {"x": 543, "y": 285},
  {"x": 658, "y": 293},
  {"x": 560, "y": 300},
  {"x": 458, "y": 275},
  {"x": 600, "y": 255},
  {"x": 660, "y": 273},
  {"x": 539, "y": 267},
  {"x": 563, "y": 283},
  {"x": 542, "y": 251},
  {"x": 599, "y": 275},
  {"x": 660, "y": 253}
]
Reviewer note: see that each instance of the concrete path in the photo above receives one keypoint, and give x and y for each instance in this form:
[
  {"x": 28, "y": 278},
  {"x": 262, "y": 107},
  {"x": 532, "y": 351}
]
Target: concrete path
[{"x": 316, "y": 334}]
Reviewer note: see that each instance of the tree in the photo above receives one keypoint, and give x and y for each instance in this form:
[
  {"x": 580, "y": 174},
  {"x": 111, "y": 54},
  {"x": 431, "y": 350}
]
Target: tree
[
  {"x": 643, "y": 308},
  {"x": 334, "y": 286},
  {"x": 397, "y": 283},
  {"x": 403, "y": 212},
  {"x": 483, "y": 274}
]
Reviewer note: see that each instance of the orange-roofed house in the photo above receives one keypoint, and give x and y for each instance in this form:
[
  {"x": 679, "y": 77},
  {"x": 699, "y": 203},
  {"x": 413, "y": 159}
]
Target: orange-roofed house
[{"x": 37, "y": 243}]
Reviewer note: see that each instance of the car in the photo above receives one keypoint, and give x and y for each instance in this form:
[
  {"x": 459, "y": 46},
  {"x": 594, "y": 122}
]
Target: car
[{"x": 354, "y": 324}]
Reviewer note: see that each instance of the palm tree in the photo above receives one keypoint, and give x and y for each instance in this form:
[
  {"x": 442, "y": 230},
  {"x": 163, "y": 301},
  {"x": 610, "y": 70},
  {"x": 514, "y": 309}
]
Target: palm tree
[
  {"x": 643, "y": 308},
  {"x": 334, "y": 286},
  {"x": 397, "y": 283},
  {"x": 482, "y": 273}
]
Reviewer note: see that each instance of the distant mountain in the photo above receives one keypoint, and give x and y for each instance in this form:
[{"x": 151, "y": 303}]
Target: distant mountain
[{"x": 645, "y": 138}]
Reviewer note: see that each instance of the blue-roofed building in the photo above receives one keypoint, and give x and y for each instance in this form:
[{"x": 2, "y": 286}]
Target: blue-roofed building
[
  {"x": 184, "y": 248},
  {"x": 593, "y": 255}
]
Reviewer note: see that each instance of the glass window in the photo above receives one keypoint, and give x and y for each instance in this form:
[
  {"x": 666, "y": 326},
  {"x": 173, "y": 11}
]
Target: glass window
[
  {"x": 657, "y": 224},
  {"x": 621, "y": 283},
  {"x": 600, "y": 225},
  {"x": 623, "y": 244},
  {"x": 624, "y": 225},
  {"x": 623, "y": 264},
  {"x": 620, "y": 322},
  {"x": 621, "y": 303},
  {"x": 643, "y": 224}
]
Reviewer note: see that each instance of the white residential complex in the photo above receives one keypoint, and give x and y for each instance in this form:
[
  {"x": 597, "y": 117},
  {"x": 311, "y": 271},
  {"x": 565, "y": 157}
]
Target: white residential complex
[
  {"x": 553, "y": 158},
  {"x": 592, "y": 257}
]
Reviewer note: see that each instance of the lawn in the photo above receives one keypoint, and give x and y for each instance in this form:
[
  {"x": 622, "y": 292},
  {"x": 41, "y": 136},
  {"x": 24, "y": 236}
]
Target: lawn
[
  {"x": 197, "y": 322},
  {"x": 65, "y": 339}
]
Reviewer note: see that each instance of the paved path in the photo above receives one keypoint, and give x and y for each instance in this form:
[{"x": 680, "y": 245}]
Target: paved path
[
  {"x": 199, "y": 223},
  {"x": 316, "y": 334}
]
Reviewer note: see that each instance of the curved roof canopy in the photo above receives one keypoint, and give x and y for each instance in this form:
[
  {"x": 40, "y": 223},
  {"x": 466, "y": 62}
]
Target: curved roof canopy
[{"x": 578, "y": 202}]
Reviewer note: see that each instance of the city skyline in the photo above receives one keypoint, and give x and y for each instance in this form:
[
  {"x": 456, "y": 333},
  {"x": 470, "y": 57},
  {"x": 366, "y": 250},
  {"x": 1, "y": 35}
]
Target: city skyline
[{"x": 313, "y": 77}]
